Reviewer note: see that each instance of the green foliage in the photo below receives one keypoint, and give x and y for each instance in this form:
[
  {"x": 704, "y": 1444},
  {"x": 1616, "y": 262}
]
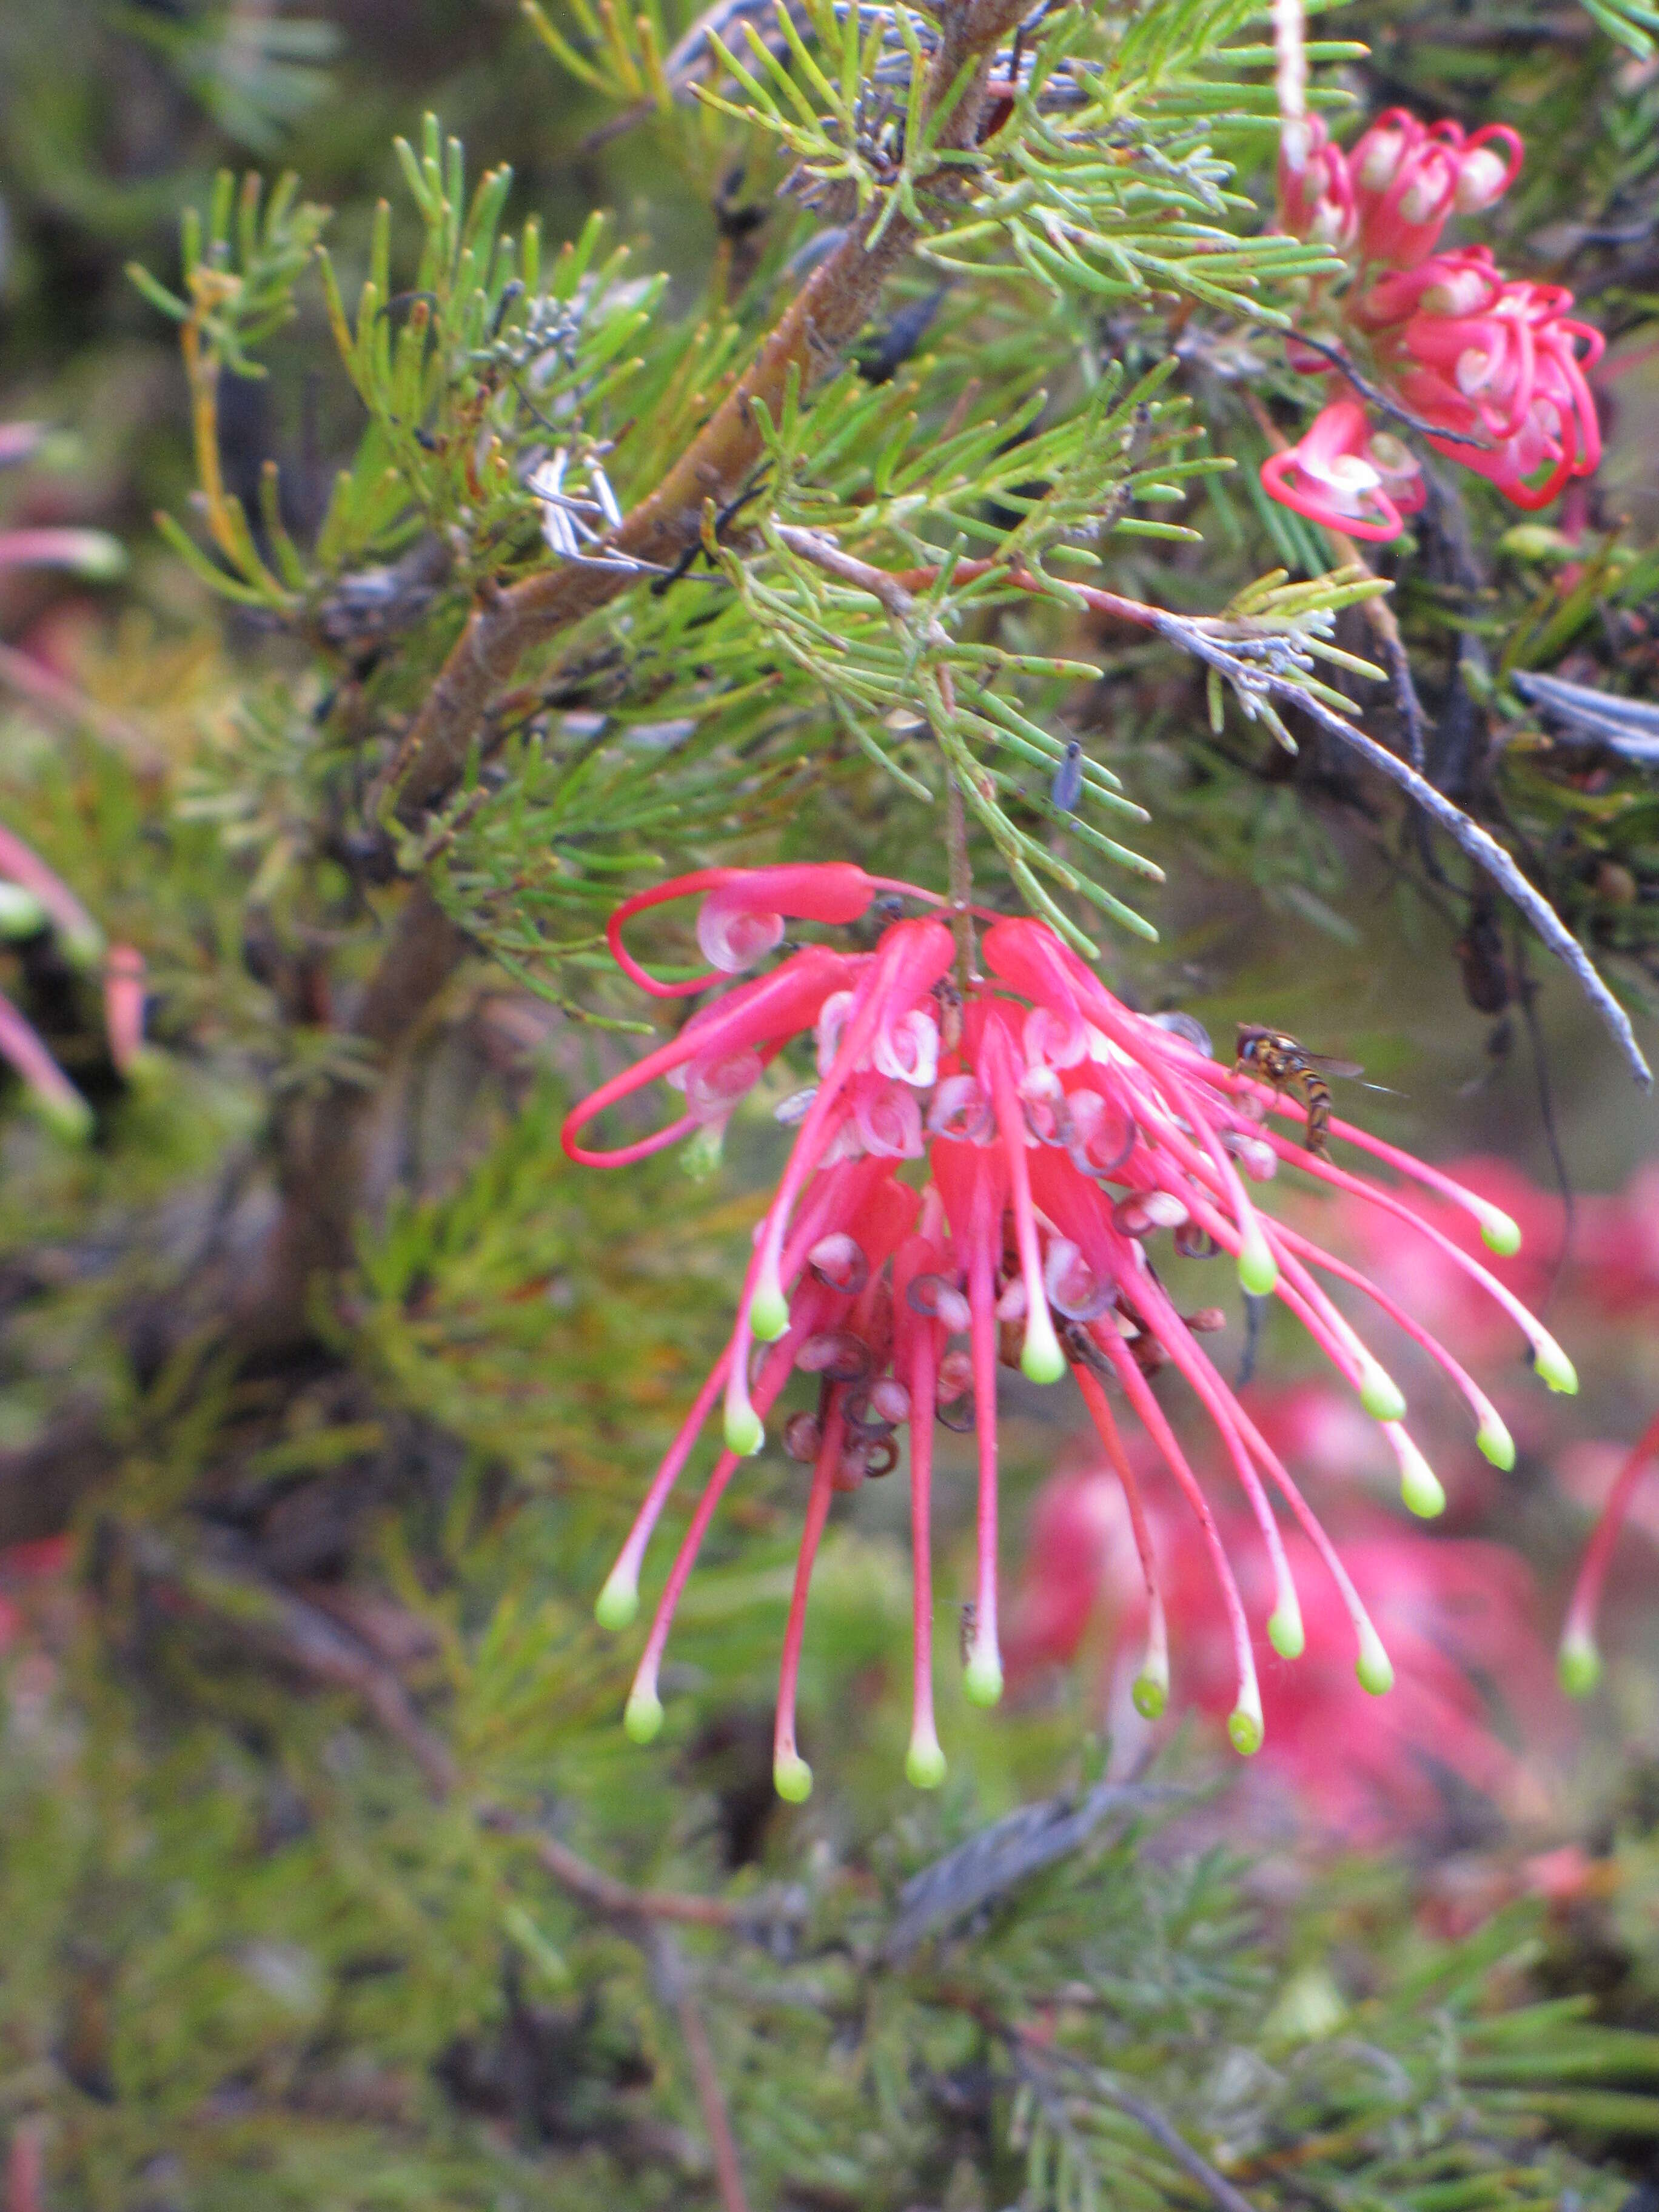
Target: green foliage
[{"x": 292, "y": 1753}]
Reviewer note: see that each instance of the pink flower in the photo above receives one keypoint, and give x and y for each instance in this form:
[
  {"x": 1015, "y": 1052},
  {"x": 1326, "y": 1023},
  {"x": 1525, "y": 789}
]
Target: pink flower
[
  {"x": 42, "y": 1559},
  {"x": 1581, "y": 1661},
  {"x": 1616, "y": 1246},
  {"x": 1060, "y": 1134},
  {"x": 1511, "y": 367},
  {"x": 1315, "y": 193},
  {"x": 1367, "y": 1773},
  {"x": 1470, "y": 353},
  {"x": 1407, "y": 179},
  {"x": 1346, "y": 476}
]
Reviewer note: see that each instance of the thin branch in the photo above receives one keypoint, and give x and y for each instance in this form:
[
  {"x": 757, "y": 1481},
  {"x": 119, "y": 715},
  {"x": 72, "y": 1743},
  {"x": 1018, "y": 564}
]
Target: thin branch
[
  {"x": 809, "y": 340},
  {"x": 1212, "y": 642},
  {"x": 1034, "y": 2061},
  {"x": 264, "y": 1616},
  {"x": 823, "y": 553},
  {"x": 1031, "y": 2057},
  {"x": 675, "y": 1988},
  {"x": 1380, "y": 400},
  {"x": 617, "y": 1901},
  {"x": 1476, "y": 843}
]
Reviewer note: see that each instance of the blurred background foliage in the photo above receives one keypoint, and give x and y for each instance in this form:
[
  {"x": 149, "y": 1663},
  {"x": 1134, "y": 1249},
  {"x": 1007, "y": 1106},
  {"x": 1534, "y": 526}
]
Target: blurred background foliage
[{"x": 313, "y": 1801}]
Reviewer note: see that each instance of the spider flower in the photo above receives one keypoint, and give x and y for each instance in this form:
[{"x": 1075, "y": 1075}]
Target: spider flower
[
  {"x": 979, "y": 1171},
  {"x": 1407, "y": 179},
  {"x": 1456, "y": 1613},
  {"x": 1347, "y": 475},
  {"x": 1471, "y": 354}
]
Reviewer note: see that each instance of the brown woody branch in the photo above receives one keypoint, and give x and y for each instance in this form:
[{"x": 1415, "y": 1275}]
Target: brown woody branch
[
  {"x": 617, "y": 1901},
  {"x": 326, "y": 1149},
  {"x": 809, "y": 341}
]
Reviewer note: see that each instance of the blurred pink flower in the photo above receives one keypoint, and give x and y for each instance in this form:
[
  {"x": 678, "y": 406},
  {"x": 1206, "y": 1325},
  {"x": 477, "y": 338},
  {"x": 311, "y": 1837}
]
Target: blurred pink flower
[
  {"x": 1471, "y": 354},
  {"x": 1450, "y": 1610},
  {"x": 22, "y": 1567}
]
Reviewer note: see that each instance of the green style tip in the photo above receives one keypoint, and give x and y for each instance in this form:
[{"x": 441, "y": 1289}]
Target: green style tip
[
  {"x": 1496, "y": 1444},
  {"x": 95, "y": 555},
  {"x": 1420, "y": 1488},
  {"x": 67, "y": 1114},
  {"x": 1554, "y": 1367},
  {"x": 1498, "y": 1233},
  {"x": 21, "y": 914},
  {"x": 1150, "y": 1695},
  {"x": 1258, "y": 1270},
  {"x": 619, "y": 1601},
  {"x": 924, "y": 1765},
  {"x": 792, "y": 1777},
  {"x": 981, "y": 1679},
  {"x": 642, "y": 1714},
  {"x": 1579, "y": 1664},
  {"x": 745, "y": 1434},
  {"x": 769, "y": 1313},
  {"x": 1374, "y": 1666},
  {"x": 1380, "y": 1394},
  {"x": 1286, "y": 1632},
  {"x": 1041, "y": 1359},
  {"x": 1244, "y": 1731}
]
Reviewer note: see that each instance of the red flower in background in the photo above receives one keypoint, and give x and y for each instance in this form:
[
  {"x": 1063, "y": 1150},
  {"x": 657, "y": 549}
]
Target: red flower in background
[
  {"x": 1606, "y": 1274},
  {"x": 1459, "y": 346},
  {"x": 33, "y": 896},
  {"x": 1450, "y": 1610},
  {"x": 23, "y": 1567},
  {"x": 1055, "y": 1133}
]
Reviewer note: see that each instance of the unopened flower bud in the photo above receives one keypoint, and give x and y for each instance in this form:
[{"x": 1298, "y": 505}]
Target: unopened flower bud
[
  {"x": 1481, "y": 181},
  {"x": 838, "y": 1261},
  {"x": 891, "y": 1400},
  {"x": 836, "y": 1354},
  {"x": 1378, "y": 156},
  {"x": 803, "y": 1436}
]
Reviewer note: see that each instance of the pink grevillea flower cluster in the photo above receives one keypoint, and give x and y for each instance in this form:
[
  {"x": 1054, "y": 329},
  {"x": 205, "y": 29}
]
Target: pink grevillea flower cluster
[
  {"x": 33, "y": 896},
  {"x": 982, "y": 1168},
  {"x": 1450, "y": 1610},
  {"x": 1580, "y": 1658},
  {"x": 1457, "y": 344}
]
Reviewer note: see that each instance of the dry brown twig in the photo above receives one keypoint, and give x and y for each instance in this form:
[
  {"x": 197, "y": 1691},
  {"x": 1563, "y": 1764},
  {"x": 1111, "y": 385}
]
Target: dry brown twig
[{"x": 809, "y": 340}]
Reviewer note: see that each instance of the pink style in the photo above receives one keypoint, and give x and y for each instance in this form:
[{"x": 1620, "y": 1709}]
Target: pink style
[{"x": 981, "y": 1167}]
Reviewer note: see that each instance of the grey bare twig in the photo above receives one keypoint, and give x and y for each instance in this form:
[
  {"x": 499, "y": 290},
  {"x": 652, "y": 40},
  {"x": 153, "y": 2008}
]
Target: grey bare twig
[
  {"x": 1626, "y": 727},
  {"x": 1380, "y": 399},
  {"x": 617, "y": 1900},
  {"x": 999, "y": 1857},
  {"x": 1467, "y": 834}
]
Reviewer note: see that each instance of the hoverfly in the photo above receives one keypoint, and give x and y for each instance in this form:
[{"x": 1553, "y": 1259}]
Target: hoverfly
[{"x": 1280, "y": 1060}]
